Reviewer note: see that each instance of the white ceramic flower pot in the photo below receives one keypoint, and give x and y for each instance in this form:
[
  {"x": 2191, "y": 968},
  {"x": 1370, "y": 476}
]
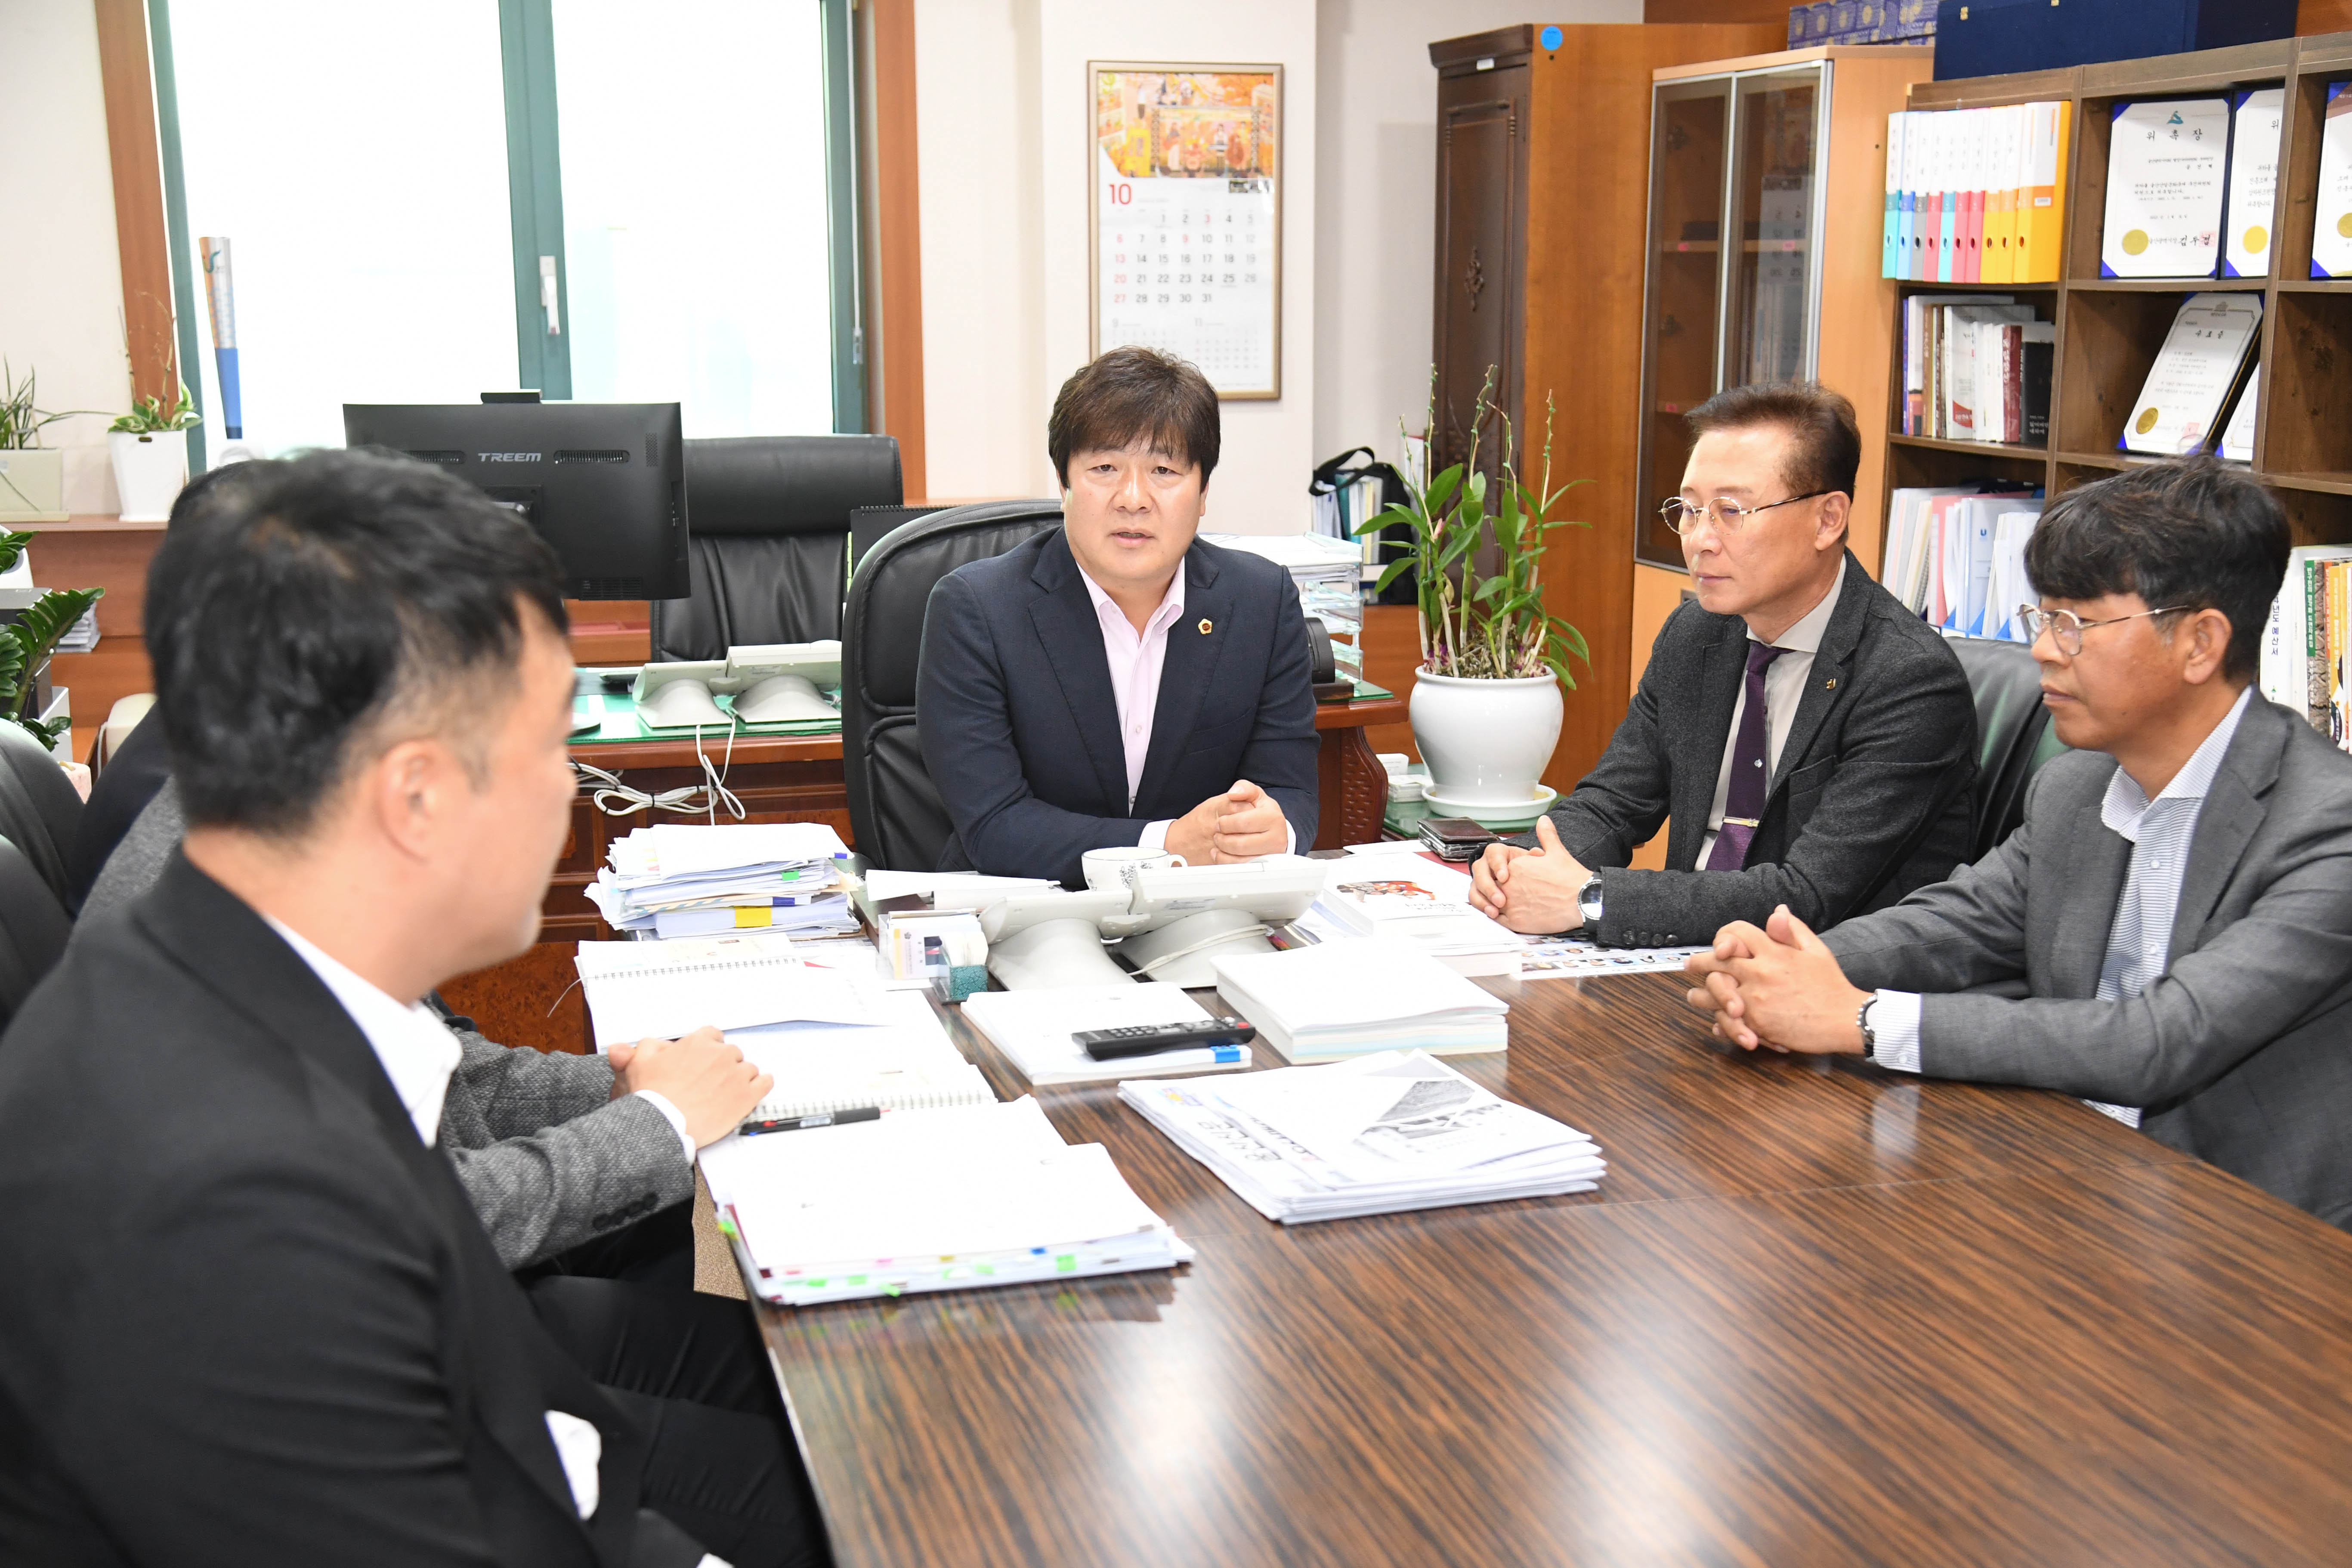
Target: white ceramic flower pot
[
  {"x": 149, "y": 472},
  {"x": 32, "y": 485},
  {"x": 1486, "y": 741}
]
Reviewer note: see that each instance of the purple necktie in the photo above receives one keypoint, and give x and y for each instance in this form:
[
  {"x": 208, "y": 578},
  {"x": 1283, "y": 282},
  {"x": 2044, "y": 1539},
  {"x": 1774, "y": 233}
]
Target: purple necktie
[{"x": 1743, "y": 803}]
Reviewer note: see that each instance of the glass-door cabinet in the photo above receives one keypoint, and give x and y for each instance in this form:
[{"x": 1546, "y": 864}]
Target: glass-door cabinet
[{"x": 1734, "y": 289}]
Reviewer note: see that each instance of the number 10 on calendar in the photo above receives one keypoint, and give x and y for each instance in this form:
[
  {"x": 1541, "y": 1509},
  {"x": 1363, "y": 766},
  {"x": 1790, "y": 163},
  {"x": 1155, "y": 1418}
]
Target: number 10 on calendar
[{"x": 1187, "y": 212}]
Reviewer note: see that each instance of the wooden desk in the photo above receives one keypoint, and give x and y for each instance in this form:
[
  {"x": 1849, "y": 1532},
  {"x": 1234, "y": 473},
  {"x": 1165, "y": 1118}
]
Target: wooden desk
[
  {"x": 1817, "y": 1314},
  {"x": 800, "y": 780}
]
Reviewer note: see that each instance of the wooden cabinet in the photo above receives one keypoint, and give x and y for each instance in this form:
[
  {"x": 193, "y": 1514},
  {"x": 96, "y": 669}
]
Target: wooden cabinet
[
  {"x": 1542, "y": 149},
  {"x": 2109, "y": 329},
  {"x": 1767, "y": 196}
]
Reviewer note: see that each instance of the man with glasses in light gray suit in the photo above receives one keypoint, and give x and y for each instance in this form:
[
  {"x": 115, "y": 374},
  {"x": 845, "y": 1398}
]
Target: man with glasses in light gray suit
[{"x": 2168, "y": 936}]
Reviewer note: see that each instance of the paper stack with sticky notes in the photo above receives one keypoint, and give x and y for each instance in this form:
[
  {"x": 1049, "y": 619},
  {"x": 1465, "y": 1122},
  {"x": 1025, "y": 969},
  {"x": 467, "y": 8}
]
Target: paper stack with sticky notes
[
  {"x": 675, "y": 880},
  {"x": 1377, "y": 1135},
  {"x": 1413, "y": 899},
  {"x": 928, "y": 1200}
]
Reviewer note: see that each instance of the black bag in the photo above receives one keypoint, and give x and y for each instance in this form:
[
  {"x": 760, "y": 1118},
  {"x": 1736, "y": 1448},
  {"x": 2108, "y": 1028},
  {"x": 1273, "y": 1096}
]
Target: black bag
[{"x": 1396, "y": 539}]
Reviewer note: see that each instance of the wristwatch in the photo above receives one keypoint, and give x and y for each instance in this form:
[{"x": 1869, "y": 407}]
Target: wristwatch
[
  {"x": 1588, "y": 903},
  {"x": 1869, "y": 1035}
]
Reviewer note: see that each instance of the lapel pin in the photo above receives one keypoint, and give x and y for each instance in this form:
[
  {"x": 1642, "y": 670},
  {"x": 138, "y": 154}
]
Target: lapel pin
[
  {"x": 1831, "y": 684},
  {"x": 1205, "y": 627}
]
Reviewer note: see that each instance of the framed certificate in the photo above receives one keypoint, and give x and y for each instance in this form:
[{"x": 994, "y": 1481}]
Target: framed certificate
[{"x": 1187, "y": 212}]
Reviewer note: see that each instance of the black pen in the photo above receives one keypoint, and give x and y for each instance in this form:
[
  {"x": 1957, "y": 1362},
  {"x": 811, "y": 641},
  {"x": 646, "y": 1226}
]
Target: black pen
[{"x": 822, "y": 1118}]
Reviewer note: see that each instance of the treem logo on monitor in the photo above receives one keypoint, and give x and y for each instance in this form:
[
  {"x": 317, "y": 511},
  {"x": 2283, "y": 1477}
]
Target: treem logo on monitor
[{"x": 509, "y": 457}]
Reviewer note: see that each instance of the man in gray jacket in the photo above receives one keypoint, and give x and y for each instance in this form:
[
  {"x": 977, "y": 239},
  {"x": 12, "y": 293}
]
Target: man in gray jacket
[
  {"x": 557, "y": 1152},
  {"x": 2169, "y": 934}
]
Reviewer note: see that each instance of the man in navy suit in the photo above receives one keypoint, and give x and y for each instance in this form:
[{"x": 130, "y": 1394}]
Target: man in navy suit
[{"x": 1118, "y": 682}]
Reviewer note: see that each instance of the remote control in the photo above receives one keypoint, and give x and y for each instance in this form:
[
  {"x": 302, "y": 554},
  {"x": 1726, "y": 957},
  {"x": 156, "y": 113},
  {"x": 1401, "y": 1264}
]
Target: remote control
[{"x": 1144, "y": 1039}]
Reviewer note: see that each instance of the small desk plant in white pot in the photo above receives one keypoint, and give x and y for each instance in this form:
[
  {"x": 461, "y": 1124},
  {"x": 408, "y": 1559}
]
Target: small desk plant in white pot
[
  {"x": 32, "y": 477},
  {"x": 149, "y": 448},
  {"x": 1486, "y": 702}
]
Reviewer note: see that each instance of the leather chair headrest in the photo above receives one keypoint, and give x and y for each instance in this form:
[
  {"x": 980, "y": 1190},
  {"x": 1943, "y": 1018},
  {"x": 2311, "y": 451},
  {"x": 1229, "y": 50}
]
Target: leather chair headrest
[
  {"x": 787, "y": 484},
  {"x": 893, "y": 585}
]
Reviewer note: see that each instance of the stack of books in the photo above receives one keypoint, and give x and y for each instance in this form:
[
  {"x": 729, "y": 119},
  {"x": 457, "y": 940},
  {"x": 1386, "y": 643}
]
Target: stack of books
[
  {"x": 937, "y": 1200},
  {"x": 1862, "y": 22},
  {"x": 1976, "y": 367},
  {"x": 1345, "y": 999},
  {"x": 678, "y": 880},
  {"x": 1407, "y": 899},
  {"x": 2304, "y": 647},
  {"x": 1379, "y": 1136}
]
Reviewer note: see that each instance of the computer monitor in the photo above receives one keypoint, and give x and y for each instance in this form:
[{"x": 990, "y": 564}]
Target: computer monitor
[{"x": 604, "y": 483}]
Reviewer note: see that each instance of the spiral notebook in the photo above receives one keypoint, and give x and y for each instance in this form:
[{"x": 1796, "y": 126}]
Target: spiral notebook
[{"x": 833, "y": 1039}]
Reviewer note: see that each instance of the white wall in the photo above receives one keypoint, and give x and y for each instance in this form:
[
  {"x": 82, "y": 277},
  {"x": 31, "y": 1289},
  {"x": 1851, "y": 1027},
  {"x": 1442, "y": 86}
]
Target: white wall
[
  {"x": 1004, "y": 215},
  {"x": 976, "y": 143},
  {"x": 1376, "y": 208},
  {"x": 60, "y": 274}
]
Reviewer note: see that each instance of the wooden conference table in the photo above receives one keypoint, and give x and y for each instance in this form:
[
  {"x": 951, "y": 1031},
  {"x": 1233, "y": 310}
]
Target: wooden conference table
[{"x": 1816, "y": 1314}]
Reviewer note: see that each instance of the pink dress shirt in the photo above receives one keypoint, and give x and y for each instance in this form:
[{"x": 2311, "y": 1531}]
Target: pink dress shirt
[{"x": 1136, "y": 661}]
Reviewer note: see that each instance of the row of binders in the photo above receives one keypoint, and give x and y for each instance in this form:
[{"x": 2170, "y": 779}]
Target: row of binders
[
  {"x": 1956, "y": 557},
  {"x": 2308, "y": 637},
  {"x": 1976, "y": 195}
]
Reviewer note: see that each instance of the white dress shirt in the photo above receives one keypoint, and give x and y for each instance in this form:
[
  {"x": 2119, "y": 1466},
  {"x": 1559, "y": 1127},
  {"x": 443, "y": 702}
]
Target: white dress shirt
[
  {"x": 418, "y": 1053},
  {"x": 2139, "y": 942},
  {"x": 1784, "y": 688},
  {"x": 1136, "y": 660}
]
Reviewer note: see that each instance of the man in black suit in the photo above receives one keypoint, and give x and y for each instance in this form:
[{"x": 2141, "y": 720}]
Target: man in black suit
[
  {"x": 248, "y": 1314},
  {"x": 1813, "y": 741},
  {"x": 1118, "y": 682}
]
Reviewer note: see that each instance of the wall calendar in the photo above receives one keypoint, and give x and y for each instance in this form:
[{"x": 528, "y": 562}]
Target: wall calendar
[{"x": 1187, "y": 205}]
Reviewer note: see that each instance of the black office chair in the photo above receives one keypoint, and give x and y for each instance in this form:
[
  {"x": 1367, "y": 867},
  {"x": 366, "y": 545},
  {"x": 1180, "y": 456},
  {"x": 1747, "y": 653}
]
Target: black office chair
[
  {"x": 2013, "y": 734},
  {"x": 894, "y": 815},
  {"x": 33, "y": 930},
  {"x": 40, "y": 811},
  {"x": 769, "y": 517}
]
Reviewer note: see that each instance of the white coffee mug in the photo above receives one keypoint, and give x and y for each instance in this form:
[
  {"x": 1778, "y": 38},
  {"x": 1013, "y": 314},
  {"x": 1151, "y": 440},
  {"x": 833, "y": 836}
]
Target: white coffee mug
[{"x": 1116, "y": 866}]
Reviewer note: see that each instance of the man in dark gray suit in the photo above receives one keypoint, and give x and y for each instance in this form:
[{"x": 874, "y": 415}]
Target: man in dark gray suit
[
  {"x": 2169, "y": 934},
  {"x": 1811, "y": 740}
]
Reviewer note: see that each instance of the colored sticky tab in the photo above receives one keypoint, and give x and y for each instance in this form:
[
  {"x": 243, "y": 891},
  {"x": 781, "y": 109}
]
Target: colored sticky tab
[
  {"x": 752, "y": 917},
  {"x": 1229, "y": 1053},
  {"x": 1066, "y": 1263}
]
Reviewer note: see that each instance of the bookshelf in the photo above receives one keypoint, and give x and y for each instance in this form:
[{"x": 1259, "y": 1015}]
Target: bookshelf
[{"x": 2109, "y": 330}]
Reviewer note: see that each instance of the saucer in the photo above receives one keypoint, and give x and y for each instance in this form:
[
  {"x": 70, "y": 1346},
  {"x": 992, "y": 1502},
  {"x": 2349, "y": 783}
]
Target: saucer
[{"x": 1500, "y": 816}]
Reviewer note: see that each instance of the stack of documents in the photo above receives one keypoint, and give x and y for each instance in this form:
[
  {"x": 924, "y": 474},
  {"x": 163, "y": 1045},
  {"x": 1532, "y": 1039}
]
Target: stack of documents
[
  {"x": 1329, "y": 575},
  {"x": 1033, "y": 1029},
  {"x": 1956, "y": 558},
  {"x": 674, "y": 879},
  {"x": 1352, "y": 998},
  {"x": 1411, "y": 899},
  {"x": 834, "y": 1039},
  {"x": 1377, "y": 1135},
  {"x": 930, "y": 1200}
]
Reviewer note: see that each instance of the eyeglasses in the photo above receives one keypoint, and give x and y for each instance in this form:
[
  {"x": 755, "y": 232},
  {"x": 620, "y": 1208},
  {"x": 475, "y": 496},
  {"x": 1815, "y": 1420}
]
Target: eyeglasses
[
  {"x": 2066, "y": 629},
  {"x": 1729, "y": 514}
]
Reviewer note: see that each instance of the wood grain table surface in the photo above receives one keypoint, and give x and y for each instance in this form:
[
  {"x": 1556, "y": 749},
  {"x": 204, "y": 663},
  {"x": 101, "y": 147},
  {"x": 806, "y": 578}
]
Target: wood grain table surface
[{"x": 1816, "y": 1314}]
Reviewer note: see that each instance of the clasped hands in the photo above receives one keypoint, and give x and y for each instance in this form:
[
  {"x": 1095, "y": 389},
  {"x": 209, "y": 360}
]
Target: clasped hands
[
  {"x": 1241, "y": 824},
  {"x": 1533, "y": 890},
  {"x": 1780, "y": 987}
]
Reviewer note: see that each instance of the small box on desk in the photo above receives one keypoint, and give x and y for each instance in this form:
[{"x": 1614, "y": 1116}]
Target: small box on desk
[{"x": 1995, "y": 37}]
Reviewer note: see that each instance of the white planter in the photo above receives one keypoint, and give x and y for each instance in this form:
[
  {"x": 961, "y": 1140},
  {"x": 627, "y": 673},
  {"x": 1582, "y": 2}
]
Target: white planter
[
  {"x": 1486, "y": 741},
  {"x": 149, "y": 472},
  {"x": 32, "y": 486}
]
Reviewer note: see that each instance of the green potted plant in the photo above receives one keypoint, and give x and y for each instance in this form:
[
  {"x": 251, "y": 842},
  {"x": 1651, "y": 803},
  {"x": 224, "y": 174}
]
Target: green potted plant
[
  {"x": 32, "y": 477},
  {"x": 1486, "y": 704},
  {"x": 149, "y": 448},
  {"x": 26, "y": 639}
]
